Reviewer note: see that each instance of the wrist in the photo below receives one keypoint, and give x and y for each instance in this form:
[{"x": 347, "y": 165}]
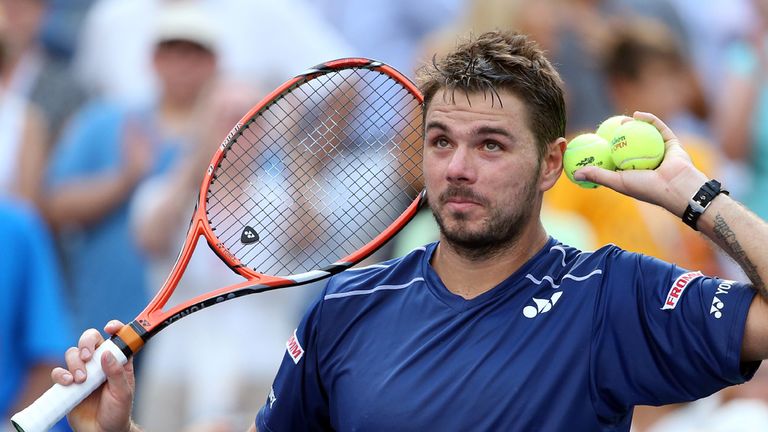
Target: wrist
[
  {"x": 701, "y": 201},
  {"x": 682, "y": 188}
]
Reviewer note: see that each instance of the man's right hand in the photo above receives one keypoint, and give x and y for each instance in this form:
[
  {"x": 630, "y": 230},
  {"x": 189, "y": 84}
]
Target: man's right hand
[{"x": 108, "y": 409}]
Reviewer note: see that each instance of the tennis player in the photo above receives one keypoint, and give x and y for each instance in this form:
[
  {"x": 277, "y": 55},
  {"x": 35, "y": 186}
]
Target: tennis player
[{"x": 498, "y": 326}]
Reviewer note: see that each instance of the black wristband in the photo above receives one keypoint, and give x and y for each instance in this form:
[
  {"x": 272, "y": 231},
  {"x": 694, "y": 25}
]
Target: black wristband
[{"x": 700, "y": 201}]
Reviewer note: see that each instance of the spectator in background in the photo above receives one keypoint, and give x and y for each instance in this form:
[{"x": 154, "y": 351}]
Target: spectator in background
[
  {"x": 107, "y": 151},
  {"x": 61, "y": 26},
  {"x": 709, "y": 31},
  {"x": 34, "y": 325},
  {"x": 23, "y": 141},
  {"x": 271, "y": 40},
  {"x": 390, "y": 31},
  {"x": 30, "y": 72},
  {"x": 741, "y": 120},
  {"x": 540, "y": 20},
  {"x": 646, "y": 71},
  {"x": 587, "y": 27}
]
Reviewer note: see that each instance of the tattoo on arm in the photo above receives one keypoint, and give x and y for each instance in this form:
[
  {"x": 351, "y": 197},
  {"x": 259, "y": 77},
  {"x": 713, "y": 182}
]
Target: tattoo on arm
[{"x": 728, "y": 238}]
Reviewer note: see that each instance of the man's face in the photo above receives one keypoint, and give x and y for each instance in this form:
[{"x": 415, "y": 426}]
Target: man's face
[
  {"x": 481, "y": 170},
  {"x": 184, "y": 68}
]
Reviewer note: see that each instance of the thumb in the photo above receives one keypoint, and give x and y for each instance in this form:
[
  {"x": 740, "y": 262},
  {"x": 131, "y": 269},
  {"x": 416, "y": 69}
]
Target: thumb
[
  {"x": 119, "y": 383},
  {"x": 599, "y": 176}
]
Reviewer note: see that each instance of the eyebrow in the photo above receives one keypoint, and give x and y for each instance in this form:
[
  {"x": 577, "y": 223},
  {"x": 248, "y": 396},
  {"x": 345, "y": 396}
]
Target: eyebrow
[{"x": 482, "y": 130}]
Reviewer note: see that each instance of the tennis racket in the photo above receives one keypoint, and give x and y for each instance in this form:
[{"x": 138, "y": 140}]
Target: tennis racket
[{"x": 313, "y": 179}]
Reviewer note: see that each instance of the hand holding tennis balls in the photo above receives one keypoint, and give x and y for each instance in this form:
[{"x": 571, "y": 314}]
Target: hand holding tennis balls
[
  {"x": 620, "y": 142},
  {"x": 607, "y": 128},
  {"x": 669, "y": 185},
  {"x": 637, "y": 145},
  {"x": 586, "y": 150}
]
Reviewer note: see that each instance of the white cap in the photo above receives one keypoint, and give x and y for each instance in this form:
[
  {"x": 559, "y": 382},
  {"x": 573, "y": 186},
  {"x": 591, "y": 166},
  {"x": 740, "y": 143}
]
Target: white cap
[{"x": 185, "y": 21}]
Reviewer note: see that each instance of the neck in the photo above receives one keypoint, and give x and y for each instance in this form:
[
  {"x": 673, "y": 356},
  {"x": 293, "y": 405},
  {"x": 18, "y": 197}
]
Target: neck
[
  {"x": 469, "y": 275},
  {"x": 176, "y": 116}
]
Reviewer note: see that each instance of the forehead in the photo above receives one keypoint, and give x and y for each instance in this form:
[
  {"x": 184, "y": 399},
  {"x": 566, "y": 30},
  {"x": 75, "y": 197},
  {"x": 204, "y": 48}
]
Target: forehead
[{"x": 459, "y": 107}]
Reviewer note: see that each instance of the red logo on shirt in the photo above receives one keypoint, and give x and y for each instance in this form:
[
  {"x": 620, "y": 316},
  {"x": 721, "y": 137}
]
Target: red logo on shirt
[
  {"x": 676, "y": 291},
  {"x": 294, "y": 348}
]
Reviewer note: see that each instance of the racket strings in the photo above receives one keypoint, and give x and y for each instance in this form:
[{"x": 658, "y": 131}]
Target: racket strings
[{"x": 319, "y": 172}]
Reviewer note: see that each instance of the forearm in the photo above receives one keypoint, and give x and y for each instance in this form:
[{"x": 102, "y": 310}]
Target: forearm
[
  {"x": 735, "y": 229},
  {"x": 86, "y": 201},
  {"x": 742, "y": 235}
]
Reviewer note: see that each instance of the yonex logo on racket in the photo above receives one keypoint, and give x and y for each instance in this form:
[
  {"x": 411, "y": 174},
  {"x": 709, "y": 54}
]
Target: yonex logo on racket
[{"x": 249, "y": 235}]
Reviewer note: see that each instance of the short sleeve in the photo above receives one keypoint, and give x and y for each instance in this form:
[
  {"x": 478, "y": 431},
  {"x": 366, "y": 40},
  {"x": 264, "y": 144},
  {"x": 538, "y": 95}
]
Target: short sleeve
[
  {"x": 298, "y": 400},
  {"x": 87, "y": 144},
  {"x": 664, "y": 335}
]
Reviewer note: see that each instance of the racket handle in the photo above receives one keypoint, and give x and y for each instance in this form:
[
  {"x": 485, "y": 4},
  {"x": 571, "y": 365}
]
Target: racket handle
[{"x": 59, "y": 400}]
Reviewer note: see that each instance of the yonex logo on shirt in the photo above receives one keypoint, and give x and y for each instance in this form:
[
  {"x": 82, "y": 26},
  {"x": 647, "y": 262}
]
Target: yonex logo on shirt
[
  {"x": 542, "y": 305},
  {"x": 717, "y": 304}
]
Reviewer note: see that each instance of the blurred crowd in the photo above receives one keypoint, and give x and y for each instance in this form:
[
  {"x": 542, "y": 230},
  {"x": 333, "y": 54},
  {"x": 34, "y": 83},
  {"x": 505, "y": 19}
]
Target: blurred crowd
[{"x": 110, "y": 109}]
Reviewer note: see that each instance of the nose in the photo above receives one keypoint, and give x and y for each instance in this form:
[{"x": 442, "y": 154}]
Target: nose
[{"x": 461, "y": 168}]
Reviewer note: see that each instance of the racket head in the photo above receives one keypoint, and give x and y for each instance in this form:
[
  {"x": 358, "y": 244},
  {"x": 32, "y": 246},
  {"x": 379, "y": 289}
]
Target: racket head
[
  {"x": 318, "y": 175},
  {"x": 317, "y": 170}
]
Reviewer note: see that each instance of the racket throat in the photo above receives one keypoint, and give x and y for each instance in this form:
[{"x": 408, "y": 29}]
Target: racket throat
[{"x": 130, "y": 339}]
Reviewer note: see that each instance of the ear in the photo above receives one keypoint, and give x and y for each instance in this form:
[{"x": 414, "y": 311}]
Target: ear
[{"x": 552, "y": 164}]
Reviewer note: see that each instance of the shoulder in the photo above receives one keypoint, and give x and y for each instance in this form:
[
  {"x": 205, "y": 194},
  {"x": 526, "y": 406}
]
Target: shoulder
[
  {"x": 565, "y": 259},
  {"x": 19, "y": 217},
  {"x": 22, "y": 230},
  {"x": 397, "y": 273},
  {"x": 608, "y": 262}
]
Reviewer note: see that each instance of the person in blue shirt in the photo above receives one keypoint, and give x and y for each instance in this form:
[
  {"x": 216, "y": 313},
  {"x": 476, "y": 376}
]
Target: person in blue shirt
[
  {"x": 34, "y": 320},
  {"x": 107, "y": 151},
  {"x": 498, "y": 326}
]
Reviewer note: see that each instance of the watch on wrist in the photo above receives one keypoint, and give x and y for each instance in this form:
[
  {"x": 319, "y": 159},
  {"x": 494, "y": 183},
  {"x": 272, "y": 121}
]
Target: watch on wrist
[{"x": 700, "y": 201}]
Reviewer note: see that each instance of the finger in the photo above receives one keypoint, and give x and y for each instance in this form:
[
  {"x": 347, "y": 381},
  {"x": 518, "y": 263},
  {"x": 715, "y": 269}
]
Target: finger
[
  {"x": 113, "y": 326},
  {"x": 75, "y": 364},
  {"x": 117, "y": 377},
  {"x": 599, "y": 176},
  {"x": 88, "y": 342},
  {"x": 61, "y": 376},
  {"x": 662, "y": 127}
]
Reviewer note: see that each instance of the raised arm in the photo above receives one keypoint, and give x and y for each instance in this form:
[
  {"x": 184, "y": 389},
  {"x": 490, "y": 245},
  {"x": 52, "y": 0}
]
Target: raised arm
[{"x": 739, "y": 232}]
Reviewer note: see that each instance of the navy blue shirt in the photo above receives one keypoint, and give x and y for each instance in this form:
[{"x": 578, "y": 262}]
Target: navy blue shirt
[{"x": 571, "y": 341}]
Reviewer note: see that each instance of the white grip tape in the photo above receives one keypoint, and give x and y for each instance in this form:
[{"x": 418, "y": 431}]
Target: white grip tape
[{"x": 59, "y": 400}]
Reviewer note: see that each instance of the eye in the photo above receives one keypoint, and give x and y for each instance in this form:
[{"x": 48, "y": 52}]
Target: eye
[
  {"x": 491, "y": 146},
  {"x": 441, "y": 142}
]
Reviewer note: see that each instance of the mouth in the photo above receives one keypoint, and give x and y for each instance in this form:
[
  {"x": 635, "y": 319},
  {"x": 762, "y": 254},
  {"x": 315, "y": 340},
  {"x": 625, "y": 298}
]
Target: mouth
[
  {"x": 460, "y": 200},
  {"x": 460, "y": 205}
]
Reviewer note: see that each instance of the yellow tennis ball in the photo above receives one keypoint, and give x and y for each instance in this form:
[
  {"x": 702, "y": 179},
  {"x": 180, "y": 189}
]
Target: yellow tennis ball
[
  {"x": 587, "y": 150},
  {"x": 608, "y": 127},
  {"x": 637, "y": 145}
]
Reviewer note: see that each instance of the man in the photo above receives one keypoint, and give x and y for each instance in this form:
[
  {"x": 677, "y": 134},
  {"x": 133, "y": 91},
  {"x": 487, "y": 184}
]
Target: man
[
  {"x": 498, "y": 326},
  {"x": 31, "y": 292},
  {"x": 108, "y": 150}
]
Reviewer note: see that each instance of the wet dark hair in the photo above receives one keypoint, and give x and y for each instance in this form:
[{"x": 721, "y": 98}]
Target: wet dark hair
[{"x": 502, "y": 60}]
